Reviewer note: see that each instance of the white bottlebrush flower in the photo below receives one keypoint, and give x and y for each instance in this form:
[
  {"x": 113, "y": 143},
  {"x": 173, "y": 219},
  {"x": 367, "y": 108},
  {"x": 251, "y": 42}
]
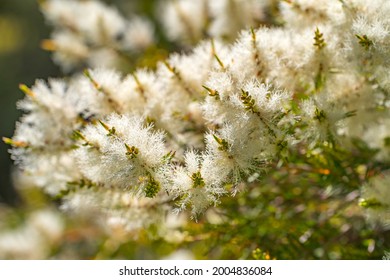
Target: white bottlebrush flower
[
  {"x": 96, "y": 21},
  {"x": 50, "y": 172},
  {"x": 121, "y": 152},
  {"x": 229, "y": 158},
  {"x": 51, "y": 115},
  {"x": 371, "y": 20},
  {"x": 138, "y": 35},
  {"x": 95, "y": 94},
  {"x": 231, "y": 16},
  {"x": 187, "y": 185},
  {"x": 139, "y": 94},
  {"x": 187, "y": 22},
  {"x": 305, "y": 13},
  {"x": 84, "y": 30},
  {"x": 184, "y": 20},
  {"x": 42, "y": 140},
  {"x": 251, "y": 108},
  {"x": 267, "y": 54},
  {"x": 323, "y": 119},
  {"x": 370, "y": 41},
  {"x": 70, "y": 49},
  {"x": 268, "y": 100},
  {"x": 104, "y": 84},
  {"x": 180, "y": 81},
  {"x": 195, "y": 67}
]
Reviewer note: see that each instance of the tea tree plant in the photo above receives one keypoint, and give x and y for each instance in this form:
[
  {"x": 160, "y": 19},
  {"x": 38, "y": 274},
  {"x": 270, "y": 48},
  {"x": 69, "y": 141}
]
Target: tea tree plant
[{"x": 268, "y": 143}]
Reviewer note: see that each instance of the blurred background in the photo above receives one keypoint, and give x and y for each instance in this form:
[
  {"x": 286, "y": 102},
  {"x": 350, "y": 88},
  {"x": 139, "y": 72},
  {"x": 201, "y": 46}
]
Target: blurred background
[{"x": 22, "y": 28}]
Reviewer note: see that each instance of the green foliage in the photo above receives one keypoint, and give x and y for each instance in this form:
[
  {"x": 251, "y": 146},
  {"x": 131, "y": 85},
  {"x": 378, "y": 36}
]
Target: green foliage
[
  {"x": 197, "y": 180},
  {"x": 319, "y": 41},
  {"x": 364, "y": 41},
  {"x": 152, "y": 188}
]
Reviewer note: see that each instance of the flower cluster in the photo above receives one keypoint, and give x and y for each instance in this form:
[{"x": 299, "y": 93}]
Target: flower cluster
[
  {"x": 206, "y": 122},
  {"x": 189, "y": 21},
  {"x": 92, "y": 33}
]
